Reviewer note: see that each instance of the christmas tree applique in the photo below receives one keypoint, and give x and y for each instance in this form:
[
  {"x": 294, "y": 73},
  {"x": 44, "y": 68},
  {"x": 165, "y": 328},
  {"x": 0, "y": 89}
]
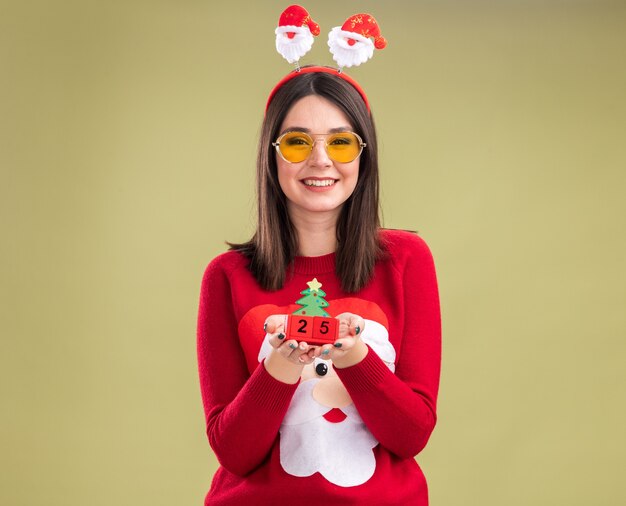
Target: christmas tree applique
[{"x": 313, "y": 302}]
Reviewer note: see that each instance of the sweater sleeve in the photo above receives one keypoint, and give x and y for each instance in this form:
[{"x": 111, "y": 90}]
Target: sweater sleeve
[
  {"x": 243, "y": 412},
  {"x": 400, "y": 409}
]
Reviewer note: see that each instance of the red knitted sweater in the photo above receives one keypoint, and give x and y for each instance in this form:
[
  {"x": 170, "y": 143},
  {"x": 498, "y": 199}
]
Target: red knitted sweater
[{"x": 252, "y": 419}]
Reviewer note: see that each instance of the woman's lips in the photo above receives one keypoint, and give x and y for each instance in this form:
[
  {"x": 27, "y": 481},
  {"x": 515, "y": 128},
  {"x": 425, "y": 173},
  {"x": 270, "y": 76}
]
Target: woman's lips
[{"x": 318, "y": 184}]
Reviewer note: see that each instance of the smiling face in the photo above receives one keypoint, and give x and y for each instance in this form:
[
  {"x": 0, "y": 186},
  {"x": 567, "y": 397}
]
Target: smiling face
[{"x": 318, "y": 184}]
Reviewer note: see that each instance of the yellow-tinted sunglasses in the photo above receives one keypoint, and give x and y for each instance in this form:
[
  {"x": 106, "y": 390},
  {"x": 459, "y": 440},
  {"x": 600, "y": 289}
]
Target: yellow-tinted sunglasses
[{"x": 342, "y": 147}]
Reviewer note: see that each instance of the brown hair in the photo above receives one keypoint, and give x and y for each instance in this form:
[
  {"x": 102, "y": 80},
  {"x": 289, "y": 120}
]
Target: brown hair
[{"x": 274, "y": 245}]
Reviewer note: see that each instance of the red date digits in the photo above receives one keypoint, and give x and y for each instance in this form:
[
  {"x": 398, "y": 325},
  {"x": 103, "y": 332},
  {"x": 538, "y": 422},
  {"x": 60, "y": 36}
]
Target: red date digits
[{"x": 315, "y": 330}]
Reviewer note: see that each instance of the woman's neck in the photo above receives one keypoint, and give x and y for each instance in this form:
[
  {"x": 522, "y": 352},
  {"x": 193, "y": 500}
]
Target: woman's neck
[{"x": 317, "y": 233}]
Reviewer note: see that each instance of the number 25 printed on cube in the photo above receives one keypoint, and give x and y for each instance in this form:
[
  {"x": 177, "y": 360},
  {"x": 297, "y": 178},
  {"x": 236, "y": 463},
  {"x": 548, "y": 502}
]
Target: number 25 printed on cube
[{"x": 314, "y": 330}]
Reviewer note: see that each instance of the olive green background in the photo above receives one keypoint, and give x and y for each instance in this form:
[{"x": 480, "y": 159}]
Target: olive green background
[{"x": 128, "y": 132}]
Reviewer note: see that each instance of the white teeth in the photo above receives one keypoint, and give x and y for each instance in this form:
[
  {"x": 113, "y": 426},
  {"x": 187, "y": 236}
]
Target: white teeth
[{"x": 315, "y": 182}]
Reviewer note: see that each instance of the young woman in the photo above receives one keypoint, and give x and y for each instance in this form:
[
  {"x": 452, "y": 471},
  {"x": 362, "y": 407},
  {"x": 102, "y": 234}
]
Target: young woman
[{"x": 298, "y": 420}]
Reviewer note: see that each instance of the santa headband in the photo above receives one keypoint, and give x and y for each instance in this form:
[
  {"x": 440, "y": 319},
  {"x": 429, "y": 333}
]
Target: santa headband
[{"x": 350, "y": 44}]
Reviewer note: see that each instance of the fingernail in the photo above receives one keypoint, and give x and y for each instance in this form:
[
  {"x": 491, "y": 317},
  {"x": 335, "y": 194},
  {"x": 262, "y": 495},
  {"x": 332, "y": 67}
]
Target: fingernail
[
  {"x": 357, "y": 330},
  {"x": 292, "y": 346},
  {"x": 265, "y": 327},
  {"x": 337, "y": 345},
  {"x": 281, "y": 336},
  {"x": 325, "y": 352}
]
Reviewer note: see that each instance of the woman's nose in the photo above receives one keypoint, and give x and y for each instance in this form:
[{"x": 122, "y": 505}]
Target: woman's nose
[{"x": 319, "y": 155}]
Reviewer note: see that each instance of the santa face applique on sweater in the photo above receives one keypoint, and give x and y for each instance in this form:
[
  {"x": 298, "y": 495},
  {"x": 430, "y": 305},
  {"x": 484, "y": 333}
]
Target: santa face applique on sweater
[{"x": 322, "y": 431}]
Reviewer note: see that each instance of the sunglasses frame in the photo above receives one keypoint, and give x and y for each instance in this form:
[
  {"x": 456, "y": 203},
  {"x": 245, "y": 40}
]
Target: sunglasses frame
[{"x": 313, "y": 141}]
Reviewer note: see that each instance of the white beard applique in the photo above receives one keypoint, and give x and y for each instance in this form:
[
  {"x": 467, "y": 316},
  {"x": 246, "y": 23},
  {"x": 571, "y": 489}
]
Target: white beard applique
[
  {"x": 346, "y": 54},
  {"x": 341, "y": 452},
  {"x": 292, "y": 49},
  {"x": 335, "y": 442}
]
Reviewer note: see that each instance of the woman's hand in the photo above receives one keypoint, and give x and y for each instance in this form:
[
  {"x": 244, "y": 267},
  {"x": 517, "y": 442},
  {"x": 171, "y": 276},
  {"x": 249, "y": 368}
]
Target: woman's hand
[
  {"x": 348, "y": 349},
  {"x": 288, "y": 357}
]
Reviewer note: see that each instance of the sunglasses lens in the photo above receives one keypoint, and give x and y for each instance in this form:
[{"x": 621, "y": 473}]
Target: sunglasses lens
[
  {"x": 295, "y": 146},
  {"x": 343, "y": 147}
]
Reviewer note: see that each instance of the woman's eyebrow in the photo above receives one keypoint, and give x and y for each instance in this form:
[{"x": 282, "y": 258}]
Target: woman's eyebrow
[
  {"x": 295, "y": 129},
  {"x": 308, "y": 131}
]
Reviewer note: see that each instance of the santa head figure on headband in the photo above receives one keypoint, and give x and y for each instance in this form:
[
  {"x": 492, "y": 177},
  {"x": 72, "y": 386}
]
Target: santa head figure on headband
[
  {"x": 351, "y": 44},
  {"x": 295, "y": 32}
]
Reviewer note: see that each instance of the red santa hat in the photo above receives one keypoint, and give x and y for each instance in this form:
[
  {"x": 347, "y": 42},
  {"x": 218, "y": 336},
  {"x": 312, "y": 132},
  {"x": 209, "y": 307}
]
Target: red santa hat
[
  {"x": 297, "y": 16},
  {"x": 363, "y": 26}
]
